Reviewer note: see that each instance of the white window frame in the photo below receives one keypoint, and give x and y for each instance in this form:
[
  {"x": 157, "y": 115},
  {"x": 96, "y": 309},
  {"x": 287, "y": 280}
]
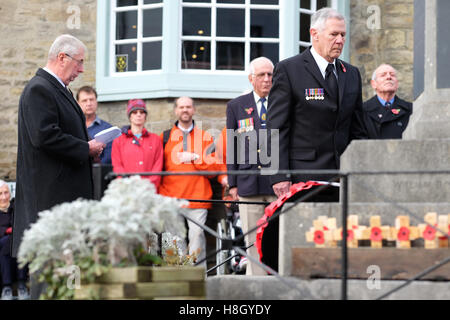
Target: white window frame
[
  {"x": 139, "y": 40},
  {"x": 173, "y": 81},
  {"x": 213, "y": 38}
]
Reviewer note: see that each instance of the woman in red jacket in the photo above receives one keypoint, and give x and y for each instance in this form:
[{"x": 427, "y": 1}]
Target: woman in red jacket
[{"x": 137, "y": 149}]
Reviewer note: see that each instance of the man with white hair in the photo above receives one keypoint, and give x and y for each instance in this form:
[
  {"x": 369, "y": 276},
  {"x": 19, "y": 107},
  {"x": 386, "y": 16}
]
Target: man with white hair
[
  {"x": 386, "y": 116},
  {"x": 246, "y": 116},
  {"x": 316, "y": 104},
  {"x": 54, "y": 154}
]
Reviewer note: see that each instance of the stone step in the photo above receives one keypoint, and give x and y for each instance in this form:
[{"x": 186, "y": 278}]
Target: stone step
[{"x": 232, "y": 287}]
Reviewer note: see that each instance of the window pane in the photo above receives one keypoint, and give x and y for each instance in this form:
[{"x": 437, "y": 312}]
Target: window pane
[
  {"x": 231, "y": 1},
  {"x": 153, "y": 22},
  {"x": 264, "y": 2},
  {"x": 197, "y": 1},
  {"x": 264, "y": 23},
  {"x": 230, "y": 56},
  {"x": 305, "y": 21},
  {"x": 196, "y": 21},
  {"x": 152, "y": 1},
  {"x": 125, "y": 3},
  {"x": 230, "y": 22},
  {"x": 305, "y": 4},
  {"x": 126, "y": 25},
  {"x": 126, "y": 59},
  {"x": 303, "y": 49},
  {"x": 268, "y": 50},
  {"x": 323, "y": 3},
  {"x": 151, "y": 55},
  {"x": 196, "y": 55}
]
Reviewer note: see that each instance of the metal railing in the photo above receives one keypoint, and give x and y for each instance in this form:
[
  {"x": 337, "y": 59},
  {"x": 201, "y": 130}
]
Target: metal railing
[{"x": 344, "y": 177}]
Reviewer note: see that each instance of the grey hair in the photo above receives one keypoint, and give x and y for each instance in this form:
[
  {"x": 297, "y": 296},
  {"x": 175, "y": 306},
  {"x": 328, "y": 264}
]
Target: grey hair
[
  {"x": 256, "y": 60},
  {"x": 66, "y": 43},
  {"x": 374, "y": 74},
  {"x": 3, "y": 183},
  {"x": 319, "y": 19}
]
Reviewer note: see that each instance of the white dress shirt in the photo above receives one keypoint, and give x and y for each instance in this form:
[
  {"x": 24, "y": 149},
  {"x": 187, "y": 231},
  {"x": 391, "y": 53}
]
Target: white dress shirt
[
  {"x": 322, "y": 63},
  {"x": 258, "y": 103}
]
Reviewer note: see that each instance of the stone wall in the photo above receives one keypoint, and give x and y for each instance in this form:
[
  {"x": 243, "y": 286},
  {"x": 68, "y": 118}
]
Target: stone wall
[
  {"x": 29, "y": 27},
  {"x": 382, "y": 31}
]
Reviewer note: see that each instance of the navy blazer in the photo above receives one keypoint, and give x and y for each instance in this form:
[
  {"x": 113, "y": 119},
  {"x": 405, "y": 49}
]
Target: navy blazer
[
  {"x": 241, "y": 112},
  {"x": 386, "y": 123},
  {"x": 313, "y": 133}
]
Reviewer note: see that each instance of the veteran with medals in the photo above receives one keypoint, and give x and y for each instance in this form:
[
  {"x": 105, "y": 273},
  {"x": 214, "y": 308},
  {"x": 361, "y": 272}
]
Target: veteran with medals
[
  {"x": 246, "y": 123},
  {"x": 316, "y": 104}
]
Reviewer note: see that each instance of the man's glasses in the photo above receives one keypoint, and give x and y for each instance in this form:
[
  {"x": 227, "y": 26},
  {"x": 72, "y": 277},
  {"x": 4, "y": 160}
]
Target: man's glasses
[
  {"x": 263, "y": 75},
  {"x": 80, "y": 62}
]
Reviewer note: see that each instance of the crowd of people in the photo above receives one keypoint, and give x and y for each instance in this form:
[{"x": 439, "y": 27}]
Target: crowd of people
[{"x": 310, "y": 105}]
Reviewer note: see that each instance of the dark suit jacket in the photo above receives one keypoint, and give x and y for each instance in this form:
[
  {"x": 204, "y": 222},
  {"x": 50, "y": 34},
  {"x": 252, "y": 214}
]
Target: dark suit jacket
[
  {"x": 313, "y": 133},
  {"x": 53, "y": 164},
  {"x": 386, "y": 123},
  {"x": 252, "y": 148}
]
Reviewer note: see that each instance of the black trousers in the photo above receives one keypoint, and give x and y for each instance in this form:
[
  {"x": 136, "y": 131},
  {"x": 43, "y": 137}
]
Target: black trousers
[{"x": 9, "y": 267}]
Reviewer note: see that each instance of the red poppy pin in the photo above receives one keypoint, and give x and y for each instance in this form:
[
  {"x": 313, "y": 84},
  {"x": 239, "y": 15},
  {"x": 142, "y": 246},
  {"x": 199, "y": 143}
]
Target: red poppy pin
[
  {"x": 403, "y": 234},
  {"x": 395, "y": 111},
  {"x": 429, "y": 233},
  {"x": 343, "y": 68},
  {"x": 376, "y": 234},
  {"x": 319, "y": 237},
  {"x": 249, "y": 110}
]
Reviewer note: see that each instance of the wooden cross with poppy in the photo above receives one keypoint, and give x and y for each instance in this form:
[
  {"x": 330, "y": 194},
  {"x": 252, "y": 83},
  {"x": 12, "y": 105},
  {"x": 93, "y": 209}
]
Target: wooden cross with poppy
[
  {"x": 354, "y": 232},
  {"x": 405, "y": 232},
  {"x": 428, "y": 233},
  {"x": 443, "y": 225},
  {"x": 376, "y": 233},
  {"x": 321, "y": 233}
]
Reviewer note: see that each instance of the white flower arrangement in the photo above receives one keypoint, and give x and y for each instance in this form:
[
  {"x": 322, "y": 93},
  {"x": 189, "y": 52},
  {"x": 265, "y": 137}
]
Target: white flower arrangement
[{"x": 128, "y": 215}]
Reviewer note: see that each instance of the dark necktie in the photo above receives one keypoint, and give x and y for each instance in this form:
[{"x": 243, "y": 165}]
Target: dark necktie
[
  {"x": 263, "y": 113},
  {"x": 331, "y": 80},
  {"x": 387, "y": 104}
]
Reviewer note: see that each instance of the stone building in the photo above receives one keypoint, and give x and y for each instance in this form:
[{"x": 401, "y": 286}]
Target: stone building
[{"x": 379, "y": 31}]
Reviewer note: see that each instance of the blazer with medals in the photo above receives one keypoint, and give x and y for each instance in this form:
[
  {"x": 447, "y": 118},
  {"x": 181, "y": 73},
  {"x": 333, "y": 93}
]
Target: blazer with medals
[
  {"x": 243, "y": 118},
  {"x": 386, "y": 122},
  {"x": 53, "y": 163},
  {"x": 313, "y": 133}
]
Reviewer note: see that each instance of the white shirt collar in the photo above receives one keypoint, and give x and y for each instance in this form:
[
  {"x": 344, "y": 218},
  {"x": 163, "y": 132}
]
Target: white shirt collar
[
  {"x": 257, "y": 102},
  {"x": 322, "y": 63},
  {"x": 55, "y": 76},
  {"x": 186, "y": 130}
]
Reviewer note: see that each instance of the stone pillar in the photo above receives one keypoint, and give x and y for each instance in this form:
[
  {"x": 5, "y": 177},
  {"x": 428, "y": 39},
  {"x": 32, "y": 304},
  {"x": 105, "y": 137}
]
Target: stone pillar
[
  {"x": 431, "y": 116},
  {"x": 426, "y": 143}
]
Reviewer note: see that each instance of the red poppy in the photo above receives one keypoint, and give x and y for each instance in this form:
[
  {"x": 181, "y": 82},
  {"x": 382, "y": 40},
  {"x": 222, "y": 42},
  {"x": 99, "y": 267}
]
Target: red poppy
[
  {"x": 319, "y": 237},
  {"x": 395, "y": 111},
  {"x": 403, "y": 234},
  {"x": 376, "y": 234},
  {"x": 429, "y": 233},
  {"x": 350, "y": 235},
  {"x": 249, "y": 110}
]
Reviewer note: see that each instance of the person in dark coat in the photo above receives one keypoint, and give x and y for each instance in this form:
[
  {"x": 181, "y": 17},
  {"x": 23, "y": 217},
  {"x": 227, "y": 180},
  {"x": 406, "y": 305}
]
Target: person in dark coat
[
  {"x": 246, "y": 118},
  {"x": 8, "y": 264},
  {"x": 316, "y": 104},
  {"x": 386, "y": 116},
  {"x": 54, "y": 154}
]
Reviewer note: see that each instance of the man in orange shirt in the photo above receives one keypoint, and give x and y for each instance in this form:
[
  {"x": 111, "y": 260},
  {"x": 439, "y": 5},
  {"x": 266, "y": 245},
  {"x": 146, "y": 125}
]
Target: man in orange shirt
[{"x": 188, "y": 149}]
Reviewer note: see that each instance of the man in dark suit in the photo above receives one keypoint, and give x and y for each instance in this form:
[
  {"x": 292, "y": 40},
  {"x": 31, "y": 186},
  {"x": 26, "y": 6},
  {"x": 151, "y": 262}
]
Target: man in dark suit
[
  {"x": 54, "y": 155},
  {"x": 386, "y": 116},
  {"x": 246, "y": 119},
  {"x": 316, "y": 104}
]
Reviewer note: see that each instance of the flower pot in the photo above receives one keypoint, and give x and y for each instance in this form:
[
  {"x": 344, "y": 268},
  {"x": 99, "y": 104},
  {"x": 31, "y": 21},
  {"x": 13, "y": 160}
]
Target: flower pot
[{"x": 184, "y": 282}]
